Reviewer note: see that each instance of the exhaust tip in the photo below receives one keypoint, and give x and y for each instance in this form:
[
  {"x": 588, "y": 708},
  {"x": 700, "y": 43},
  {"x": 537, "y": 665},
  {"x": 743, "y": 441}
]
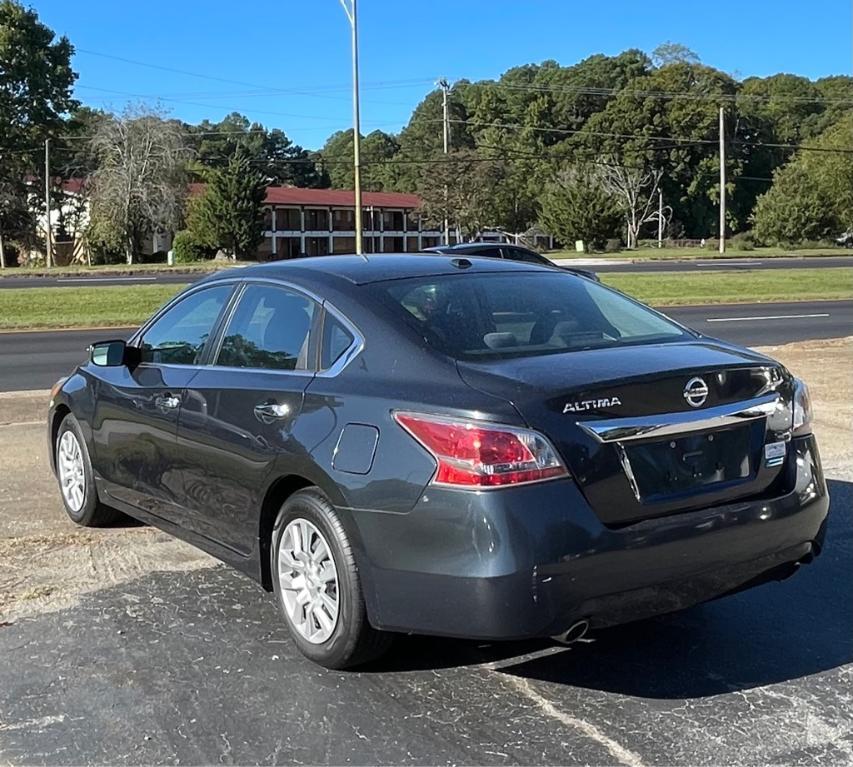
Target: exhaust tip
[{"x": 575, "y": 633}]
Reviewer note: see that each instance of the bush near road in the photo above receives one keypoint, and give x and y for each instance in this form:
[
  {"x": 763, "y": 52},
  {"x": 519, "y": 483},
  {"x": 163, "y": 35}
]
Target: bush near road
[{"x": 123, "y": 306}]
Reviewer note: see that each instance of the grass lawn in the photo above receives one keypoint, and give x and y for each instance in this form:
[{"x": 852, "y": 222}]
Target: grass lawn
[
  {"x": 81, "y": 307},
  {"x": 110, "y": 306},
  {"x": 642, "y": 254},
  {"x": 118, "y": 269},
  {"x": 733, "y": 287}
]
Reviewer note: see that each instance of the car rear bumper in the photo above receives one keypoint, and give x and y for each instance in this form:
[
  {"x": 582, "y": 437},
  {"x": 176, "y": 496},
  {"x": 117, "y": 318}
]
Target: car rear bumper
[{"x": 531, "y": 561}]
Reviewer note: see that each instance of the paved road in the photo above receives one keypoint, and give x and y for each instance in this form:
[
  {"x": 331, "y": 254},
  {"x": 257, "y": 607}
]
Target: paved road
[
  {"x": 609, "y": 265},
  {"x": 36, "y": 360},
  {"x": 94, "y": 281},
  {"x": 197, "y": 668}
]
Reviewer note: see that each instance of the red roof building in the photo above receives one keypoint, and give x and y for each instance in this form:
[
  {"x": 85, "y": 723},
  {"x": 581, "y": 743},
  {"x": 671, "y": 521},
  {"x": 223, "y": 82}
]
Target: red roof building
[{"x": 316, "y": 222}]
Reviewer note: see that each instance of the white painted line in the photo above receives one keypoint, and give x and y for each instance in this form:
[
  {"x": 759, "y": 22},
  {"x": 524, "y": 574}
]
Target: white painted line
[
  {"x": 104, "y": 279},
  {"x": 724, "y": 264},
  {"x": 766, "y": 317}
]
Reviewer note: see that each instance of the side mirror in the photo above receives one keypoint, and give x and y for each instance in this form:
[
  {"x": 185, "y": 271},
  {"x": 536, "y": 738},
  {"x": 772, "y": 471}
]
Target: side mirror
[{"x": 108, "y": 353}]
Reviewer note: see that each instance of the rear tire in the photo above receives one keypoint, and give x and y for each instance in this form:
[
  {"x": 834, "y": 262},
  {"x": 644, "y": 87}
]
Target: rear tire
[
  {"x": 76, "y": 478},
  {"x": 317, "y": 587}
]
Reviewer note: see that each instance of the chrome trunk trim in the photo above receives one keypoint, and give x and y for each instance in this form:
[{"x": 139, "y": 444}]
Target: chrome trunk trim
[{"x": 669, "y": 424}]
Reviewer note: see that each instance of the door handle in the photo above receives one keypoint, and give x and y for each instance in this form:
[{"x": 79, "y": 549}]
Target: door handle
[
  {"x": 271, "y": 411},
  {"x": 168, "y": 402}
]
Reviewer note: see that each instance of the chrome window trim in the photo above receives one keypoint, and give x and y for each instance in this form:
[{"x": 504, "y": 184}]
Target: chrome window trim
[
  {"x": 354, "y": 349},
  {"x": 670, "y": 424}
]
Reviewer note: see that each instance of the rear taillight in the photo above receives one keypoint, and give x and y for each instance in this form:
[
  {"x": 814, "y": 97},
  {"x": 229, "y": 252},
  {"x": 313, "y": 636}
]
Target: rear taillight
[{"x": 478, "y": 454}]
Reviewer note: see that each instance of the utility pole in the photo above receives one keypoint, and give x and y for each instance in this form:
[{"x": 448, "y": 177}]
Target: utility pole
[
  {"x": 351, "y": 11},
  {"x": 445, "y": 87},
  {"x": 48, "y": 234},
  {"x": 722, "y": 181},
  {"x": 660, "y": 217}
]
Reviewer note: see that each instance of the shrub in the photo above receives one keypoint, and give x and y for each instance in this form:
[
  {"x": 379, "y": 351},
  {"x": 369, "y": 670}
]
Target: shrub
[
  {"x": 712, "y": 243},
  {"x": 187, "y": 248},
  {"x": 743, "y": 241},
  {"x": 613, "y": 245}
]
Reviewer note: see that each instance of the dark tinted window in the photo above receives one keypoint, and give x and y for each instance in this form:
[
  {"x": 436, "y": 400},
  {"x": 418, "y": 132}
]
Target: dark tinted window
[
  {"x": 336, "y": 340},
  {"x": 523, "y": 314},
  {"x": 179, "y": 335},
  {"x": 483, "y": 252},
  {"x": 269, "y": 330},
  {"x": 527, "y": 256}
]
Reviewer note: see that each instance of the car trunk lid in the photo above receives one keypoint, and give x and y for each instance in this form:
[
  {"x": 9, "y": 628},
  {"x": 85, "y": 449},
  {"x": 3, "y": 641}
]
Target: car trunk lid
[{"x": 654, "y": 429}]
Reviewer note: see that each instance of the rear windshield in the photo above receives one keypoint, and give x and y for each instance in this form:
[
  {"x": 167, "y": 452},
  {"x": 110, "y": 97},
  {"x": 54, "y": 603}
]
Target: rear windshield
[{"x": 488, "y": 316}]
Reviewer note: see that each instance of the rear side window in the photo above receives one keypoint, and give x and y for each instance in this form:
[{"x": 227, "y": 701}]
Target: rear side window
[
  {"x": 269, "y": 329},
  {"x": 481, "y": 316},
  {"x": 178, "y": 336},
  {"x": 336, "y": 340}
]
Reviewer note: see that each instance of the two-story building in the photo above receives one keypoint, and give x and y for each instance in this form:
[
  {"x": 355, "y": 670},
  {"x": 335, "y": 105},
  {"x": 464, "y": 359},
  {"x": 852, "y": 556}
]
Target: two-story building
[{"x": 316, "y": 222}]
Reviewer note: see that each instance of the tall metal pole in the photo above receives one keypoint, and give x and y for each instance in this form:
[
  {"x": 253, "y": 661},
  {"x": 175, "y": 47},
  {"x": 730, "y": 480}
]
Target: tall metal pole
[
  {"x": 352, "y": 14},
  {"x": 660, "y": 217},
  {"x": 722, "y": 181},
  {"x": 48, "y": 234},
  {"x": 445, "y": 87}
]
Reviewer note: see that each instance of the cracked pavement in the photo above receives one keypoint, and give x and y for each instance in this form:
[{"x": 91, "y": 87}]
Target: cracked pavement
[{"x": 127, "y": 647}]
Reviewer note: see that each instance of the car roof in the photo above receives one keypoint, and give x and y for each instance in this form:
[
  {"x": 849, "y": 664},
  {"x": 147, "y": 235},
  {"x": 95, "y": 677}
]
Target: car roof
[{"x": 360, "y": 270}]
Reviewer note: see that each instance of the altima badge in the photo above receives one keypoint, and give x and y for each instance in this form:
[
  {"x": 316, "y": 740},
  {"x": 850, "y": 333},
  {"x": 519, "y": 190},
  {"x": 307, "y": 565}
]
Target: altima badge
[
  {"x": 591, "y": 404},
  {"x": 696, "y": 392}
]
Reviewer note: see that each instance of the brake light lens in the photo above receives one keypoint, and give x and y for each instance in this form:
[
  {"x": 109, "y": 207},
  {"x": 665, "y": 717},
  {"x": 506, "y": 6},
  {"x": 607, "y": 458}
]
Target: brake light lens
[{"x": 477, "y": 454}]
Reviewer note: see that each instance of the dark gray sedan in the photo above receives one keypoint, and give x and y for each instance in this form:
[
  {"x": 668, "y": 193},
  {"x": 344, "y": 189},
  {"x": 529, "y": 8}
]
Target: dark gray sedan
[{"x": 450, "y": 446}]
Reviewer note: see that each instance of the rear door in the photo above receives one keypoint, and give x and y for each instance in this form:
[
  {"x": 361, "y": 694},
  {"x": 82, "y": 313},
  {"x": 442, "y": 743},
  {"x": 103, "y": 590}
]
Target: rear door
[
  {"x": 239, "y": 411},
  {"x": 136, "y": 416}
]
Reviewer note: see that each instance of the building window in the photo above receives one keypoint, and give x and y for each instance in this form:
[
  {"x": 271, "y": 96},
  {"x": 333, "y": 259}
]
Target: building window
[
  {"x": 411, "y": 244},
  {"x": 288, "y": 219},
  {"x": 412, "y": 221},
  {"x": 393, "y": 244},
  {"x": 343, "y": 220},
  {"x": 316, "y": 246},
  {"x": 430, "y": 242},
  {"x": 392, "y": 220},
  {"x": 316, "y": 220},
  {"x": 267, "y": 219},
  {"x": 343, "y": 244},
  {"x": 288, "y": 247}
]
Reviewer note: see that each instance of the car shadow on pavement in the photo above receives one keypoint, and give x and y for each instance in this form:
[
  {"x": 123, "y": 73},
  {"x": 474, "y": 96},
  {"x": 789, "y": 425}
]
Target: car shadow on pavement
[{"x": 774, "y": 633}]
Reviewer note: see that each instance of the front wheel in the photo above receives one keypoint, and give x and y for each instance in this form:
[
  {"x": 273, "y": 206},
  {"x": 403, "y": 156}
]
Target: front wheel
[
  {"x": 317, "y": 585},
  {"x": 76, "y": 479}
]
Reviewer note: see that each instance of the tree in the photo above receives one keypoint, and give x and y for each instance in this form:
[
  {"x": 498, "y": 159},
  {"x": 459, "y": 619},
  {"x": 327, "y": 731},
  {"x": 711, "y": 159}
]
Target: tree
[
  {"x": 271, "y": 152},
  {"x": 634, "y": 190},
  {"x": 577, "y": 206},
  {"x": 140, "y": 182},
  {"x": 812, "y": 196},
  {"x": 229, "y": 214},
  {"x": 35, "y": 91},
  {"x": 377, "y": 148},
  {"x": 673, "y": 53}
]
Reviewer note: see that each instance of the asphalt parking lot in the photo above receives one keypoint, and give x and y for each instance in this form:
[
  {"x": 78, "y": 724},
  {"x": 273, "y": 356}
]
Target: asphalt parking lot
[{"x": 125, "y": 647}]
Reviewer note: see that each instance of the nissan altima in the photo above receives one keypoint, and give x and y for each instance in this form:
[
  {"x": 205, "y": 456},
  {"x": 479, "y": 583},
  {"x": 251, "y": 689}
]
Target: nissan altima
[{"x": 452, "y": 446}]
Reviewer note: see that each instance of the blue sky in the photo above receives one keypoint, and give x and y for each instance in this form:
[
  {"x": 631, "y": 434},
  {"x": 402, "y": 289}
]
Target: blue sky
[{"x": 287, "y": 64}]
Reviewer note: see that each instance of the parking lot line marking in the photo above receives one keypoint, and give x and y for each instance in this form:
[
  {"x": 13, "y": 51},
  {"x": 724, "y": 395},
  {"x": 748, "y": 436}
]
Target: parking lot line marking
[
  {"x": 765, "y": 317},
  {"x": 21, "y": 423},
  {"x": 619, "y": 753}
]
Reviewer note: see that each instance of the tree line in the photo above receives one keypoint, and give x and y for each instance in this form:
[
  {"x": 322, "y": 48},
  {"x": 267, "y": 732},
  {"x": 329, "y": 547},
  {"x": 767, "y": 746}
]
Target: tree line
[{"x": 599, "y": 151}]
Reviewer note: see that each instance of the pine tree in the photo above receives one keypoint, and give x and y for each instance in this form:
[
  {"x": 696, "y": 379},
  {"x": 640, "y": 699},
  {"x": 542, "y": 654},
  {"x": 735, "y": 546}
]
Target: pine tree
[{"x": 229, "y": 214}]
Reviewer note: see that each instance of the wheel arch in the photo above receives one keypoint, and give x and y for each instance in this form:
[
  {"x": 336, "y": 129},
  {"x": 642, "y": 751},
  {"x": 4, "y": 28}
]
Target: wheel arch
[{"x": 56, "y": 419}]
